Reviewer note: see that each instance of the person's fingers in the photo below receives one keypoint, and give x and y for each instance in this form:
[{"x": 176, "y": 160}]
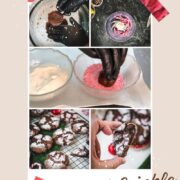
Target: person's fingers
[
  {"x": 61, "y": 5},
  {"x": 74, "y": 22},
  {"x": 106, "y": 58},
  {"x": 107, "y": 130},
  {"x": 73, "y": 6},
  {"x": 116, "y": 59},
  {"x": 119, "y": 56},
  {"x": 98, "y": 149},
  {"x": 108, "y": 127},
  {"x": 94, "y": 132},
  {"x": 110, "y": 164},
  {"x": 123, "y": 55},
  {"x": 114, "y": 124}
]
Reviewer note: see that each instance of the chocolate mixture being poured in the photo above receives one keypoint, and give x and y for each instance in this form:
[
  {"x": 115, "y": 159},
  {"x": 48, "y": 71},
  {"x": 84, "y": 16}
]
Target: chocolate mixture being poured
[{"x": 112, "y": 60}]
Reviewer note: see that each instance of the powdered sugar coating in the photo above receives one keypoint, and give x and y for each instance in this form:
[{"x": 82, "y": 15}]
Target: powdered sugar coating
[
  {"x": 80, "y": 127},
  {"x": 63, "y": 137},
  {"x": 49, "y": 122},
  {"x": 41, "y": 143},
  {"x": 123, "y": 137},
  {"x": 68, "y": 116},
  {"x": 56, "y": 160},
  {"x": 34, "y": 130}
]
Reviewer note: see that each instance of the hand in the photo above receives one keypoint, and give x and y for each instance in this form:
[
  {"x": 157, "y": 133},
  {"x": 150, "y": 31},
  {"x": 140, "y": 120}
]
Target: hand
[
  {"x": 70, "y": 35},
  {"x": 68, "y": 6},
  {"x": 107, "y": 128},
  {"x": 112, "y": 60}
]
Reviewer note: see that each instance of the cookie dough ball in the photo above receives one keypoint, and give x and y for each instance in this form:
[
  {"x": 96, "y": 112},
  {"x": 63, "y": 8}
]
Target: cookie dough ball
[
  {"x": 41, "y": 143},
  {"x": 56, "y": 160},
  {"x": 55, "y": 18},
  {"x": 49, "y": 122},
  {"x": 35, "y": 113},
  {"x": 80, "y": 127},
  {"x": 69, "y": 116},
  {"x": 63, "y": 137},
  {"x": 34, "y": 130},
  {"x": 36, "y": 165}
]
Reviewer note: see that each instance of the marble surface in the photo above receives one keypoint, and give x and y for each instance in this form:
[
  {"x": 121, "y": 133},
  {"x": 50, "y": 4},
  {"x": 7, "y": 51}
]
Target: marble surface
[{"x": 135, "y": 9}]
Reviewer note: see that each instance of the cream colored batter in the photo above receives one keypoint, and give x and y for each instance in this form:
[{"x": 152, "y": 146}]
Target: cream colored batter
[{"x": 45, "y": 79}]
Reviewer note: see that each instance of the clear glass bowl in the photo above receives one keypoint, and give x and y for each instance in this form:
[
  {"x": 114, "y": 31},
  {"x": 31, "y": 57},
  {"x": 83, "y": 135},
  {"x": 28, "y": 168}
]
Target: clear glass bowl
[
  {"x": 38, "y": 17},
  {"x": 39, "y": 57},
  {"x": 130, "y": 72}
]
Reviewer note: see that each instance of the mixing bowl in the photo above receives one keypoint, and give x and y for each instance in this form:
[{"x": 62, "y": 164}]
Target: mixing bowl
[
  {"x": 38, "y": 17},
  {"x": 44, "y": 57},
  {"x": 130, "y": 72}
]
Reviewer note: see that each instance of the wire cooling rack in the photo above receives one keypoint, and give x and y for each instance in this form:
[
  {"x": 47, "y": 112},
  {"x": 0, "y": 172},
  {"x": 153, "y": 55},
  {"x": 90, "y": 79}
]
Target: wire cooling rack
[{"x": 77, "y": 162}]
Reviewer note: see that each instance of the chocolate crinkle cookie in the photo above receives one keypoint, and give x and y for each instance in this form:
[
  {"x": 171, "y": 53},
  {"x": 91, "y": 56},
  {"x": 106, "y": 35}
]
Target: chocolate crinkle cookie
[
  {"x": 34, "y": 130},
  {"x": 64, "y": 137},
  {"x": 143, "y": 134},
  {"x": 35, "y": 113},
  {"x": 123, "y": 137},
  {"x": 69, "y": 116},
  {"x": 112, "y": 115},
  {"x": 49, "y": 122},
  {"x": 140, "y": 117},
  {"x": 81, "y": 151},
  {"x": 80, "y": 127},
  {"x": 141, "y": 114},
  {"x": 41, "y": 143},
  {"x": 56, "y": 160},
  {"x": 36, "y": 165}
]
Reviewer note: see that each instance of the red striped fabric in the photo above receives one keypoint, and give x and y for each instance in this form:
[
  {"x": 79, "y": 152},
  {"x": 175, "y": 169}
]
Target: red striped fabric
[{"x": 156, "y": 8}]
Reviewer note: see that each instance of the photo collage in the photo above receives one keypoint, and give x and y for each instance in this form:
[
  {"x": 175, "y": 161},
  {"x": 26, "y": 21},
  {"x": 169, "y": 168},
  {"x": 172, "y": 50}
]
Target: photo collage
[{"x": 89, "y": 84}]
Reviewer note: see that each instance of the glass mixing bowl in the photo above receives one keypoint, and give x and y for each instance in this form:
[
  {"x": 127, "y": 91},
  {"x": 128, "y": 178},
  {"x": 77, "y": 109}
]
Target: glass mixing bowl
[
  {"x": 41, "y": 57},
  {"x": 130, "y": 72}
]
